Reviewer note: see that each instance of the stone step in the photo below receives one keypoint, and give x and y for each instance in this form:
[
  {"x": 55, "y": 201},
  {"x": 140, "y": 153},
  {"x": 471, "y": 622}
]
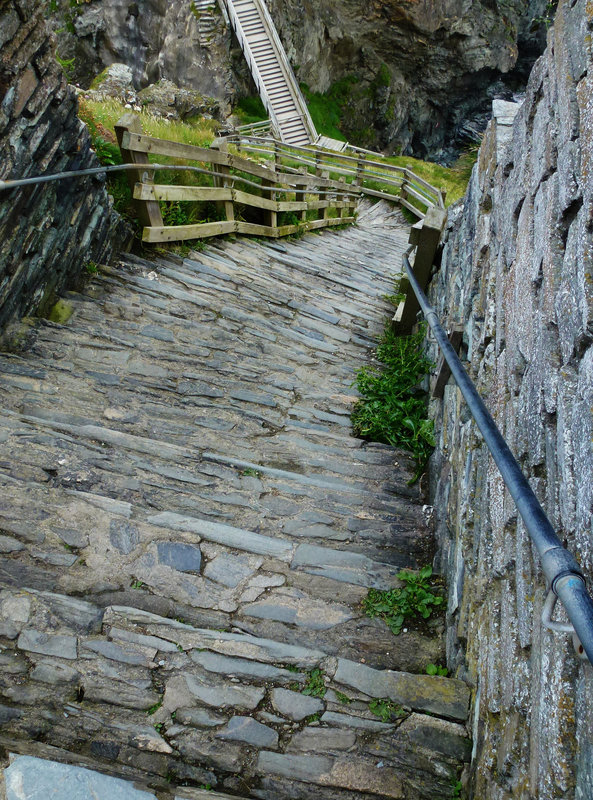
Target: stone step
[
  {"x": 189, "y": 529},
  {"x": 208, "y": 705}
]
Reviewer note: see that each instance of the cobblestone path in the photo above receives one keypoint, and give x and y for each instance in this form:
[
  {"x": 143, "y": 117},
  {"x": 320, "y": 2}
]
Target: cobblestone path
[{"x": 188, "y": 529}]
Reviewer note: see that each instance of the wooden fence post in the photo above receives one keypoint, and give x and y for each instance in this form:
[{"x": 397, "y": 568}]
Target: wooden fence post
[
  {"x": 303, "y": 197},
  {"x": 149, "y": 211},
  {"x": 343, "y": 212},
  {"x": 360, "y": 169},
  {"x": 271, "y": 217},
  {"x": 229, "y": 207},
  {"x": 427, "y": 240}
]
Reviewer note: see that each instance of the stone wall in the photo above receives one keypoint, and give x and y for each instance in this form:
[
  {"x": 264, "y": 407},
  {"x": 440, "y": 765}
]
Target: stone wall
[
  {"x": 47, "y": 232},
  {"x": 517, "y": 273}
]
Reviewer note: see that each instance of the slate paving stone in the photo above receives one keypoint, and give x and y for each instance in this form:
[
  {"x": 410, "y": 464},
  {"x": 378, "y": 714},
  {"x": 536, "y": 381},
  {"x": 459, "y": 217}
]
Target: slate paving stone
[
  {"x": 293, "y": 705},
  {"x": 29, "y": 778},
  {"x": 123, "y": 536},
  {"x": 230, "y": 570},
  {"x": 180, "y": 556},
  {"x": 250, "y": 731}
]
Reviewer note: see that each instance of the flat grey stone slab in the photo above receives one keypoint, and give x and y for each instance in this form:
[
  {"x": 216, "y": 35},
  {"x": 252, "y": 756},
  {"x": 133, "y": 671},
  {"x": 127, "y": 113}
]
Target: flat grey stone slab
[
  {"x": 48, "y": 644},
  {"x": 300, "y": 768},
  {"x": 250, "y": 731},
  {"x": 293, "y": 705},
  {"x": 445, "y": 697},
  {"x": 237, "y": 667},
  {"x": 247, "y": 697},
  {"x": 350, "y": 721},
  {"x": 225, "y": 534},
  {"x": 230, "y": 570},
  {"x": 180, "y": 556},
  {"x": 29, "y": 778},
  {"x": 293, "y": 607}
]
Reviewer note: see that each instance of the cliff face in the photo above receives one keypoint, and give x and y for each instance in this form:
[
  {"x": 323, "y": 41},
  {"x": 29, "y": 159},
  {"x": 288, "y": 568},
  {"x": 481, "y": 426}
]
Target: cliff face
[
  {"x": 516, "y": 273},
  {"x": 47, "y": 232},
  {"x": 157, "y": 39},
  {"x": 445, "y": 61},
  {"x": 424, "y": 69}
]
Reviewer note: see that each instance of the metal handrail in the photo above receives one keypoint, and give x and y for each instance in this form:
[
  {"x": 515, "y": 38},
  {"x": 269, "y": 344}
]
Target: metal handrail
[{"x": 564, "y": 575}]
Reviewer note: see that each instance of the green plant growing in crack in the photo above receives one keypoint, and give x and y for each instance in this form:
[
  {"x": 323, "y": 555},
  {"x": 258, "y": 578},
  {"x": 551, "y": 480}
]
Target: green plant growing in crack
[
  {"x": 159, "y": 727},
  {"x": 250, "y": 472},
  {"x": 386, "y": 709},
  {"x": 137, "y": 584},
  {"x": 315, "y": 684},
  {"x": 153, "y": 709},
  {"x": 343, "y": 698},
  {"x": 392, "y": 408},
  {"x": 436, "y": 669},
  {"x": 414, "y": 599}
]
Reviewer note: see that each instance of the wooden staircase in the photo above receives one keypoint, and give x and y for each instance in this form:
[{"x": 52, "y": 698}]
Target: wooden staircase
[{"x": 271, "y": 71}]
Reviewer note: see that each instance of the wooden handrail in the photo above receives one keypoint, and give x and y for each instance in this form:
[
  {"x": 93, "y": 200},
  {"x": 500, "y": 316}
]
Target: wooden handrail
[
  {"x": 362, "y": 168},
  {"x": 260, "y": 186}
]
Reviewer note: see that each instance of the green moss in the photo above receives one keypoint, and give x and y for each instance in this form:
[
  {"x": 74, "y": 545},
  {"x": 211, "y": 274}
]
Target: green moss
[
  {"x": 250, "y": 110},
  {"x": 61, "y": 312},
  {"x": 328, "y": 108},
  {"x": 100, "y": 78},
  {"x": 383, "y": 76}
]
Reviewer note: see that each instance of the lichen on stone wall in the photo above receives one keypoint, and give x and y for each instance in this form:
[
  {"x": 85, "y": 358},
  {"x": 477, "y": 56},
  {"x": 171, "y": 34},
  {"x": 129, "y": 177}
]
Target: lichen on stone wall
[{"x": 516, "y": 273}]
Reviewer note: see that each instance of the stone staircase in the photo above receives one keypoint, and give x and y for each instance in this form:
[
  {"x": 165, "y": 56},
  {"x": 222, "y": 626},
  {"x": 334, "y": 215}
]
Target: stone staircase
[
  {"x": 202, "y": 10},
  {"x": 188, "y": 529}
]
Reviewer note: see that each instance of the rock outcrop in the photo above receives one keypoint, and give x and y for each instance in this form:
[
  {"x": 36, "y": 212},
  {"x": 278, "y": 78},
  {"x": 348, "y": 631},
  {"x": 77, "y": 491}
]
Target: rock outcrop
[
  {"x": 517, "y": 274},
  {"x": 426, "y": 72},
  {"x": 47, "y": 233}
]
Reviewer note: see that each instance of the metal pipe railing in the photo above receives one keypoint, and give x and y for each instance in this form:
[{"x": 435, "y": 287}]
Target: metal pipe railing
[
  {"x": 560, "y": 568},
  {"x": 287, "y": 188}
]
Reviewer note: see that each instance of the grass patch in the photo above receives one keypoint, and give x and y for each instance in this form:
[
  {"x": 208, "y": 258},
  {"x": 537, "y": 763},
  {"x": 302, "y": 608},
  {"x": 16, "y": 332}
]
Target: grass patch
[
  {"x": 327, "y": 109},
  {"x": 415, "y": 599},
  {"x": 436, "y": 669},
  {"x": 101, "y": 118},
  {"x": 392, "y": 408},
  {"x": 250, "y": 110}
]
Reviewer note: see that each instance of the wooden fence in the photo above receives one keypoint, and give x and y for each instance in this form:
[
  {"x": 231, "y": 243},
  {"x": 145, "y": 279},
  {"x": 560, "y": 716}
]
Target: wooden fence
[
  {"x": 237, "y": 184},
  {"x": 374, "y": 177}
]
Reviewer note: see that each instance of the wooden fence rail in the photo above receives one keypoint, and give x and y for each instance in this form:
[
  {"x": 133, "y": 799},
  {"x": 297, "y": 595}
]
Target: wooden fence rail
[
  {"x": 414, "y": 193},
  {"x": 238, "y": 183}
]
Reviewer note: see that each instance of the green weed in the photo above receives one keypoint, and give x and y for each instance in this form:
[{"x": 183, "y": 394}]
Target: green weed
[
  {"x": 250, "y": 110},
  {"x": 315, "y": 684},
  {"x": 415, "y": 599},
  {"x": 153, "y": 709},
  {"x": 250, "y": 472},
  {"x": 135, "y": 584},
  {"x": 392, "y": 409},
  {"x": 436, "y": 669},
  {"x": 343, "y": 698},
  {"x": 386, "y": 709},
  {"x": 313, "y": 718}
]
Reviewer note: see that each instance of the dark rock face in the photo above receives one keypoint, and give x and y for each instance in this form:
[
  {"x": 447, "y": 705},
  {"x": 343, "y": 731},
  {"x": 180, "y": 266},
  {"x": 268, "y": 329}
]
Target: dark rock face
[
  {"x": 516, "y": 272},
  {"x": 47, "y": 233},
  {"x": 159, "y": 40},
  {"x": 424, "y": 69}
]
